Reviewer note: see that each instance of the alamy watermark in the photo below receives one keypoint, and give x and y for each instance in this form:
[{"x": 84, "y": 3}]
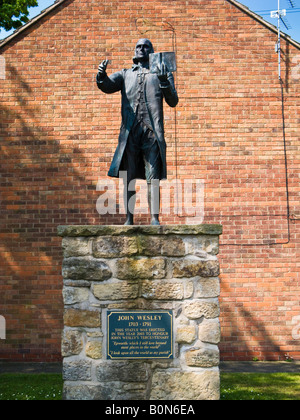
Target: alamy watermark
[
  {"x": 296, "y": 329},
  {"x": 2, "y": 328},
  {"x": 2, "y": 67},
  {"x": 183, "y": 198},
  {"x": 296, "y": 68}
]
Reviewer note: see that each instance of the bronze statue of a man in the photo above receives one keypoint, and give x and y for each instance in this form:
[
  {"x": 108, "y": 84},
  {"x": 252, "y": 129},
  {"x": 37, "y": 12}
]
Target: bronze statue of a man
[{"x": 141, "y": 150}]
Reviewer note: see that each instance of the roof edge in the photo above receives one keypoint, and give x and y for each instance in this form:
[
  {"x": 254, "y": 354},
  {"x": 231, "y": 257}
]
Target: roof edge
[
  {"x": 263, "y": 22},
  {"x": 235, "y": 3},
  {"x": 31, "y": 22}
]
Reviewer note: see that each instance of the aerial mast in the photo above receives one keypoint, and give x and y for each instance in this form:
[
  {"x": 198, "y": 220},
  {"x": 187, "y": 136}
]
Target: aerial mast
[{"x": 280, "y": 16}]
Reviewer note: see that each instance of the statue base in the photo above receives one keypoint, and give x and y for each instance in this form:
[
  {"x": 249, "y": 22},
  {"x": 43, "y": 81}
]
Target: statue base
[{"x": 141, "y": 319}]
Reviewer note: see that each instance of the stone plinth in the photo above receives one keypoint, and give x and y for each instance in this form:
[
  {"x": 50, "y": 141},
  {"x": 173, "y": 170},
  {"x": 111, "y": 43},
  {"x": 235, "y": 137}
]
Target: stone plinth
[{"x": 141, "y": 268}]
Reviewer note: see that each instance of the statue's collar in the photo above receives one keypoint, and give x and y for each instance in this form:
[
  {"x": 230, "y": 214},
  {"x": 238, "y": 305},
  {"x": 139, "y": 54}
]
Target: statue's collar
[{"x": 143, "y": 66}]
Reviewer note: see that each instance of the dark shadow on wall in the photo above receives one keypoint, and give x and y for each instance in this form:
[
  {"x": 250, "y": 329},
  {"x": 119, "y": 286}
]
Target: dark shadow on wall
[
  {"x": 245, "y": 326},
  {"x": 42, "y": 186}
]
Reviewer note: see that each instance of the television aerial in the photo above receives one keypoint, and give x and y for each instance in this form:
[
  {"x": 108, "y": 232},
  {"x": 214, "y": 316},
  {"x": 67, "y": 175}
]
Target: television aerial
[{"x": 280, "y": 15}]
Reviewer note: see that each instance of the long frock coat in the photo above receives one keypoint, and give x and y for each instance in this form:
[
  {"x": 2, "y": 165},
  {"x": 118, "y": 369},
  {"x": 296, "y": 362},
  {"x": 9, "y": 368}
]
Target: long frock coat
[{"x": 126, "y": 81}]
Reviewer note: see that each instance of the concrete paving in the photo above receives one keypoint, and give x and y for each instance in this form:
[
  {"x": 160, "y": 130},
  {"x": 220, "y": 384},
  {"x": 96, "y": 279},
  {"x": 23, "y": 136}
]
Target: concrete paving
[
  {"x": 255, "y": 367},
  {"x": 24, "y": 367},
  {"x": 260, "y": 367}
]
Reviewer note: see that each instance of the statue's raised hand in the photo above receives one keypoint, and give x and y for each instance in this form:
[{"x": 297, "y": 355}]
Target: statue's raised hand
[
  {"x": 102, "y": 68},
  {"x": 162, "y": 73}
]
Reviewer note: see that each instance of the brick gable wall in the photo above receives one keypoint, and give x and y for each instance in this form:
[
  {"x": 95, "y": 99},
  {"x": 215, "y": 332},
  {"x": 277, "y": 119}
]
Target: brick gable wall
[{"x": 58, "y": 133}]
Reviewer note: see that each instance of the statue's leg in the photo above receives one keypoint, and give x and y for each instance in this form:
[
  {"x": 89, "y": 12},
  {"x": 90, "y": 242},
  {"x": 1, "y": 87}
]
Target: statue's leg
[
  {"x": 129, "y": 161},
  {"x": 129, "y": 201},
  {"x": 154, "y": 200},
  {"x": 152, "y": 162}
]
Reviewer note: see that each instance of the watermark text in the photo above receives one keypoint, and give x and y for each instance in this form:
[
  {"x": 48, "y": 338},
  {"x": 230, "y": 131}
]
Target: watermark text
[
  {"x": 296, "y": 329},
  {"x": 2, "y": 328},
  {"x": 183, "y": 198},
  {"x": 2, "y": 67}
]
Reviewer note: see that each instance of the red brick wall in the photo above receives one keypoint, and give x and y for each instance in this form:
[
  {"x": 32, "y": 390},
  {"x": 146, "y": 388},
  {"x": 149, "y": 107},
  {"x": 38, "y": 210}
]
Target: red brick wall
[{"x": 58, "y": 133}]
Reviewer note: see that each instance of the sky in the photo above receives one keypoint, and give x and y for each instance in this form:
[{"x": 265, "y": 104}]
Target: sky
[
  {"x": 261, "y": 7},
  {"x": 264, "y": 8}
]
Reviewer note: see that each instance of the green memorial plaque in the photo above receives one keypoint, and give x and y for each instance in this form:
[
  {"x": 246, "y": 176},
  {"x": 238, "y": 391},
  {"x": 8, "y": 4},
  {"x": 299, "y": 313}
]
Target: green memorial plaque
[{"x": 139, "y": 335}]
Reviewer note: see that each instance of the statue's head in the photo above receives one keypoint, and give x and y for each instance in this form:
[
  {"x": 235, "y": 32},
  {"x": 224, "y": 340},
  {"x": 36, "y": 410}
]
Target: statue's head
[{"x": 142, "y": 50}]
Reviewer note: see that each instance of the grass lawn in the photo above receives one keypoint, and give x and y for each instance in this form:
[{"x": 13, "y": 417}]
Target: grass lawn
[
  {"x": 234, "y": 386},
  {"x": 260, "y": 386},
  {"x": 29, "y": 386}
]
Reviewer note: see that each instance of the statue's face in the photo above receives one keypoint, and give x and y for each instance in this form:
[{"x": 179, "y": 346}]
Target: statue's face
[{"x": 143, "y": 49}]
